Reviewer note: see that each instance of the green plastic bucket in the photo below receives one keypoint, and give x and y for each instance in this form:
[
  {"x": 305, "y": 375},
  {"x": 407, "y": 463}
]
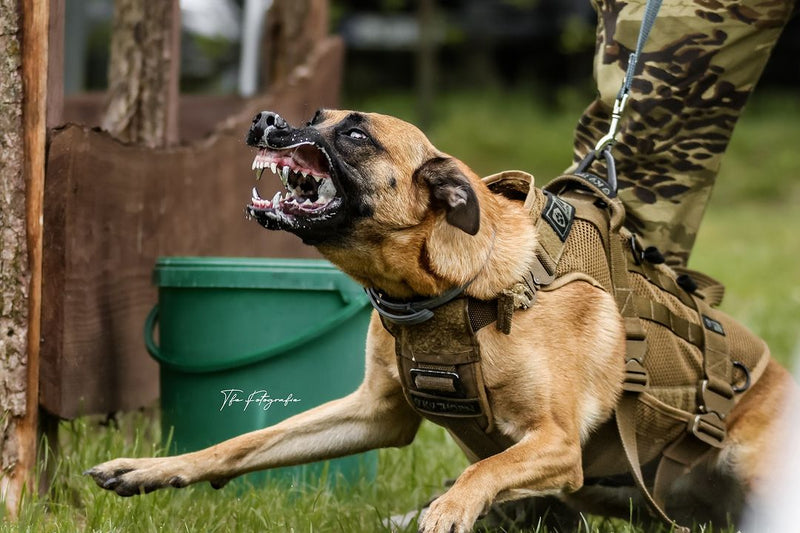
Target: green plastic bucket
[{"x": 285, "y": 334}]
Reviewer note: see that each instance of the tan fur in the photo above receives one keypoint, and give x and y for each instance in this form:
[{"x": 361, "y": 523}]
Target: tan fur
[{"x": 551, "y": 383}]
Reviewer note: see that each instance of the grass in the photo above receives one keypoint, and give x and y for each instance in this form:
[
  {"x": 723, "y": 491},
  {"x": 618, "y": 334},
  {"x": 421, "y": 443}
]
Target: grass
[{"x": 749, "y": 241}]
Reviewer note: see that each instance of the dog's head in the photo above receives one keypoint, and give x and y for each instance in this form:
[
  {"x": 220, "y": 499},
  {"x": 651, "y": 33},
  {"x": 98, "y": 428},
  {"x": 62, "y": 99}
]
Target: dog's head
[{"x": 356, "y": 175}]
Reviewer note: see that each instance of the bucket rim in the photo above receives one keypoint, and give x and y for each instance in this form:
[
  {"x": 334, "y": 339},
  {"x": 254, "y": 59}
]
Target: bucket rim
[{"x": 200, "y": 272}]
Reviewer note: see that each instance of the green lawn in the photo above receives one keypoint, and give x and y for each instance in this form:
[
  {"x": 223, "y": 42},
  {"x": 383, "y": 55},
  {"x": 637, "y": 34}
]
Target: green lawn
[{"x": 749, "y": 241}]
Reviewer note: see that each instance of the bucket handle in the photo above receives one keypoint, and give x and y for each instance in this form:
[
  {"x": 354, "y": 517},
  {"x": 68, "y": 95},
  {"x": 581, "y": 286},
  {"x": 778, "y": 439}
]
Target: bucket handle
[{"x": 341, "y": 316}]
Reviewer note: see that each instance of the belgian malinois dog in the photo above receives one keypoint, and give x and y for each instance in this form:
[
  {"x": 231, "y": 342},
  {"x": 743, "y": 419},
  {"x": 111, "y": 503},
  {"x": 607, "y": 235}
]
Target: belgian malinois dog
[{"x": 376, "y": 198}]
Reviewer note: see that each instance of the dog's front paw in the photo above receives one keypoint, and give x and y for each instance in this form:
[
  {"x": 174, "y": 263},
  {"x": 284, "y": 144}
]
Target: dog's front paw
[
  {"x": 450, "y": 515},
  {"x": 128, "y": 477}
]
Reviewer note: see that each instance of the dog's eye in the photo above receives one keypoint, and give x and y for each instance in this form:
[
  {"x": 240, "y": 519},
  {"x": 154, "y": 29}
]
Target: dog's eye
[{"x": 357, "y": 134}]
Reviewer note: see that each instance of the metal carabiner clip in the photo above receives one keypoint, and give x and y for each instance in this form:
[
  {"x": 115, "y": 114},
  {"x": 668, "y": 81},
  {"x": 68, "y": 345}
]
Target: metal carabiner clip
[{"x": 616, "y": 114}]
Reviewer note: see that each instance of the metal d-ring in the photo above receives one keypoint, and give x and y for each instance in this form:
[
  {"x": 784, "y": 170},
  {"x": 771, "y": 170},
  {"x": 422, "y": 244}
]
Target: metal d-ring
[{"x": 746, "y": 371}]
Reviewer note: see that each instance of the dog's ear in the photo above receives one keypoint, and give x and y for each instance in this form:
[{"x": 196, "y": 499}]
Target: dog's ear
[{"x": 451, "y": 189}]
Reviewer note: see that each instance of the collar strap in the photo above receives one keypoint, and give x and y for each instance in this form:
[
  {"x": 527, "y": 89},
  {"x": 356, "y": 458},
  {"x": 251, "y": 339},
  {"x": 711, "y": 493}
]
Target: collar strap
[{"x": 413, "y": 312}]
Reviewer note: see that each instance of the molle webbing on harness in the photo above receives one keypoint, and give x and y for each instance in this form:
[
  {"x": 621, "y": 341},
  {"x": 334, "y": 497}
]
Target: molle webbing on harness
[
  {"x": 678, "y": 388},
  {"x": 439, "y": 364}
]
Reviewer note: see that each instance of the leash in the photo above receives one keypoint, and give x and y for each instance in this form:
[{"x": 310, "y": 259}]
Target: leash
[
  {"x": 606, "y": 143},
  {"x": 636, "y": 380}
]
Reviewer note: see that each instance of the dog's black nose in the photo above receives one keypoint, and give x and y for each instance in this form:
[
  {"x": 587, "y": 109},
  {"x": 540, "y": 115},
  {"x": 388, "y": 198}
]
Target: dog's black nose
[{"x": 262, "y": 123}]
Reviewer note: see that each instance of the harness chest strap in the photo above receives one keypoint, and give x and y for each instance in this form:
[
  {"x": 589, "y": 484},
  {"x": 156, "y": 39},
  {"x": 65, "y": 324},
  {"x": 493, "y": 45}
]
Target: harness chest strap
[{"x": 439, "y": 366}]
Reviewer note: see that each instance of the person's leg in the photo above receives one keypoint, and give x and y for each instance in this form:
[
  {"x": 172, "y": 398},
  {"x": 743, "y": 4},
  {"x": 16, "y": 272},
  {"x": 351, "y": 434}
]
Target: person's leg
[{"x": 700, "y": 64}]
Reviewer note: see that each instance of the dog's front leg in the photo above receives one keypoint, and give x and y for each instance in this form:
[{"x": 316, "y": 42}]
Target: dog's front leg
[
  {"x": 353, "y": 424},
  {"x": 546, "y": 461},
  {"x": 374, "y": 416}
]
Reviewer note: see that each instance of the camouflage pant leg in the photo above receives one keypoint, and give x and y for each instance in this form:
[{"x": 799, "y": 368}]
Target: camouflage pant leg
[{"x": 699, "y": 66}]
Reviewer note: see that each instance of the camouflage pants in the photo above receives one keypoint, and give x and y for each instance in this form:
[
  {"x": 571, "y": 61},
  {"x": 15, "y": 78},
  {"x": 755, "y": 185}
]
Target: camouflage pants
[{"x": 699, "y": 66}]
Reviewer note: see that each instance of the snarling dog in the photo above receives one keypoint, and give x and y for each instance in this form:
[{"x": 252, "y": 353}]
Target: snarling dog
[{"x": 412, "y": 224}]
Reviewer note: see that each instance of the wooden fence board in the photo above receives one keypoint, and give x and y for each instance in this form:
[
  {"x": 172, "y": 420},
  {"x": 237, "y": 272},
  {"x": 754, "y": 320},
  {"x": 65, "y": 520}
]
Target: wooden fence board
[{"x": 111, "y": 209}]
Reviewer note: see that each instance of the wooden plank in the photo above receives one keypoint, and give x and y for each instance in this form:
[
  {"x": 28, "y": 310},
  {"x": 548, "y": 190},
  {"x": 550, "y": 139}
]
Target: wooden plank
[
  {"x": 199, "y": 114},
  {"x": 113, "y": 208}
]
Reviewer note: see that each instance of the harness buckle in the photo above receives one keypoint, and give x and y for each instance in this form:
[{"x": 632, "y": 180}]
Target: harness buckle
[
  {"x": 709, "y": 428},
  {"x": 714, "y": 401},
  {"x": 636, "y": 379}
]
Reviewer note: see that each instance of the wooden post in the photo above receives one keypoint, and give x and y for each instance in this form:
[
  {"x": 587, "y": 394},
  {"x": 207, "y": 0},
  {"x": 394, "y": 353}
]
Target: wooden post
[
  {"x": 143, "y": 78},
  {"x": 22, "y": 182}
]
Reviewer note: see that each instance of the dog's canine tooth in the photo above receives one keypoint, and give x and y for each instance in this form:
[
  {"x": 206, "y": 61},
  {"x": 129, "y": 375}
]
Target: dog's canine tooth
[
  {"x": 276, "y": 199},
  {"x": 255, "y": 194},
  {"x": 259, "y": 171},
  {"x": 327, "y": 189},
  {"x": 274, "y": 167},
  {"x": 285, "y": 173}
]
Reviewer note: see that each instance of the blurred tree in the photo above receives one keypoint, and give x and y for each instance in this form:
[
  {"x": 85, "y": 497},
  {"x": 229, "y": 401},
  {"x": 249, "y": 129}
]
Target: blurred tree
[
  {"x": 294, "y": 28},
  {"x": 144, "y": 72},
  {"x": 426, "y": 62}
]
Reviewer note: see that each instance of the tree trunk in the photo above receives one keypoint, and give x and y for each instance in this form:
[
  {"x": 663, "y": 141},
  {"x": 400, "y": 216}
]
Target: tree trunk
[
  {"x": 23, "y": 31},
  {"x": 294, "y": 28},
  {"x": 144, "y": 72},
  {"x": 14, "y": 276}
]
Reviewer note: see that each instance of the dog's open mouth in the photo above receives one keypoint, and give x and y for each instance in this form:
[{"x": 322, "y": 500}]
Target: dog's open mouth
[{"x": 309, "y": 195}]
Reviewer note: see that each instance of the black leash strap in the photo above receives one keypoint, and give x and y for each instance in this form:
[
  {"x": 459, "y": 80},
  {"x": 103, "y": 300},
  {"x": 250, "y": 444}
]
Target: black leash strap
[{"x": 605, "y": 144}]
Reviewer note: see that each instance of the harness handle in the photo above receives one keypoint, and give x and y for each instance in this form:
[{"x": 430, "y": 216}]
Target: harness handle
[{"x": 611, "y": 168}]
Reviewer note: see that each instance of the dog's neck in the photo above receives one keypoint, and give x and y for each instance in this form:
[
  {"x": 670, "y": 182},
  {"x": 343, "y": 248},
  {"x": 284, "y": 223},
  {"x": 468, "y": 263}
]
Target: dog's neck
[
  {"x": 434, "y": 256},
  {"x": 495, "y": 258}
]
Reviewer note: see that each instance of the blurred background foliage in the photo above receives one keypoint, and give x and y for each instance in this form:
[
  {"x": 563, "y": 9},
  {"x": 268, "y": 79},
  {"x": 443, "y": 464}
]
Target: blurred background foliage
[{"x": 477, "y": 44}]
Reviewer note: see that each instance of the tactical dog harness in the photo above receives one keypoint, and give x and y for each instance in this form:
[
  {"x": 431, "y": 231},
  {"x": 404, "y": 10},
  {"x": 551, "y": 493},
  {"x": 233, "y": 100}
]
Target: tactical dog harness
[{"x": 685, "y": 364}]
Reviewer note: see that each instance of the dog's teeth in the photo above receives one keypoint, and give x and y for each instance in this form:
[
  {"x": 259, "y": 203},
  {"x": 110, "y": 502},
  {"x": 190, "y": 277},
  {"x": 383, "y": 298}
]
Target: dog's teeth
[
  {"x": 274, "y": 167},
  {"x": 255, "y": 163},
  {"x": 259, "y": 171},
  {"x": 276, "y": 199},
  {"x": 255, "y": 194},
  {"x": 285, "y": 173},
  {"x": 304, "y": 173},
  {"x": 327, "y": 189}
]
